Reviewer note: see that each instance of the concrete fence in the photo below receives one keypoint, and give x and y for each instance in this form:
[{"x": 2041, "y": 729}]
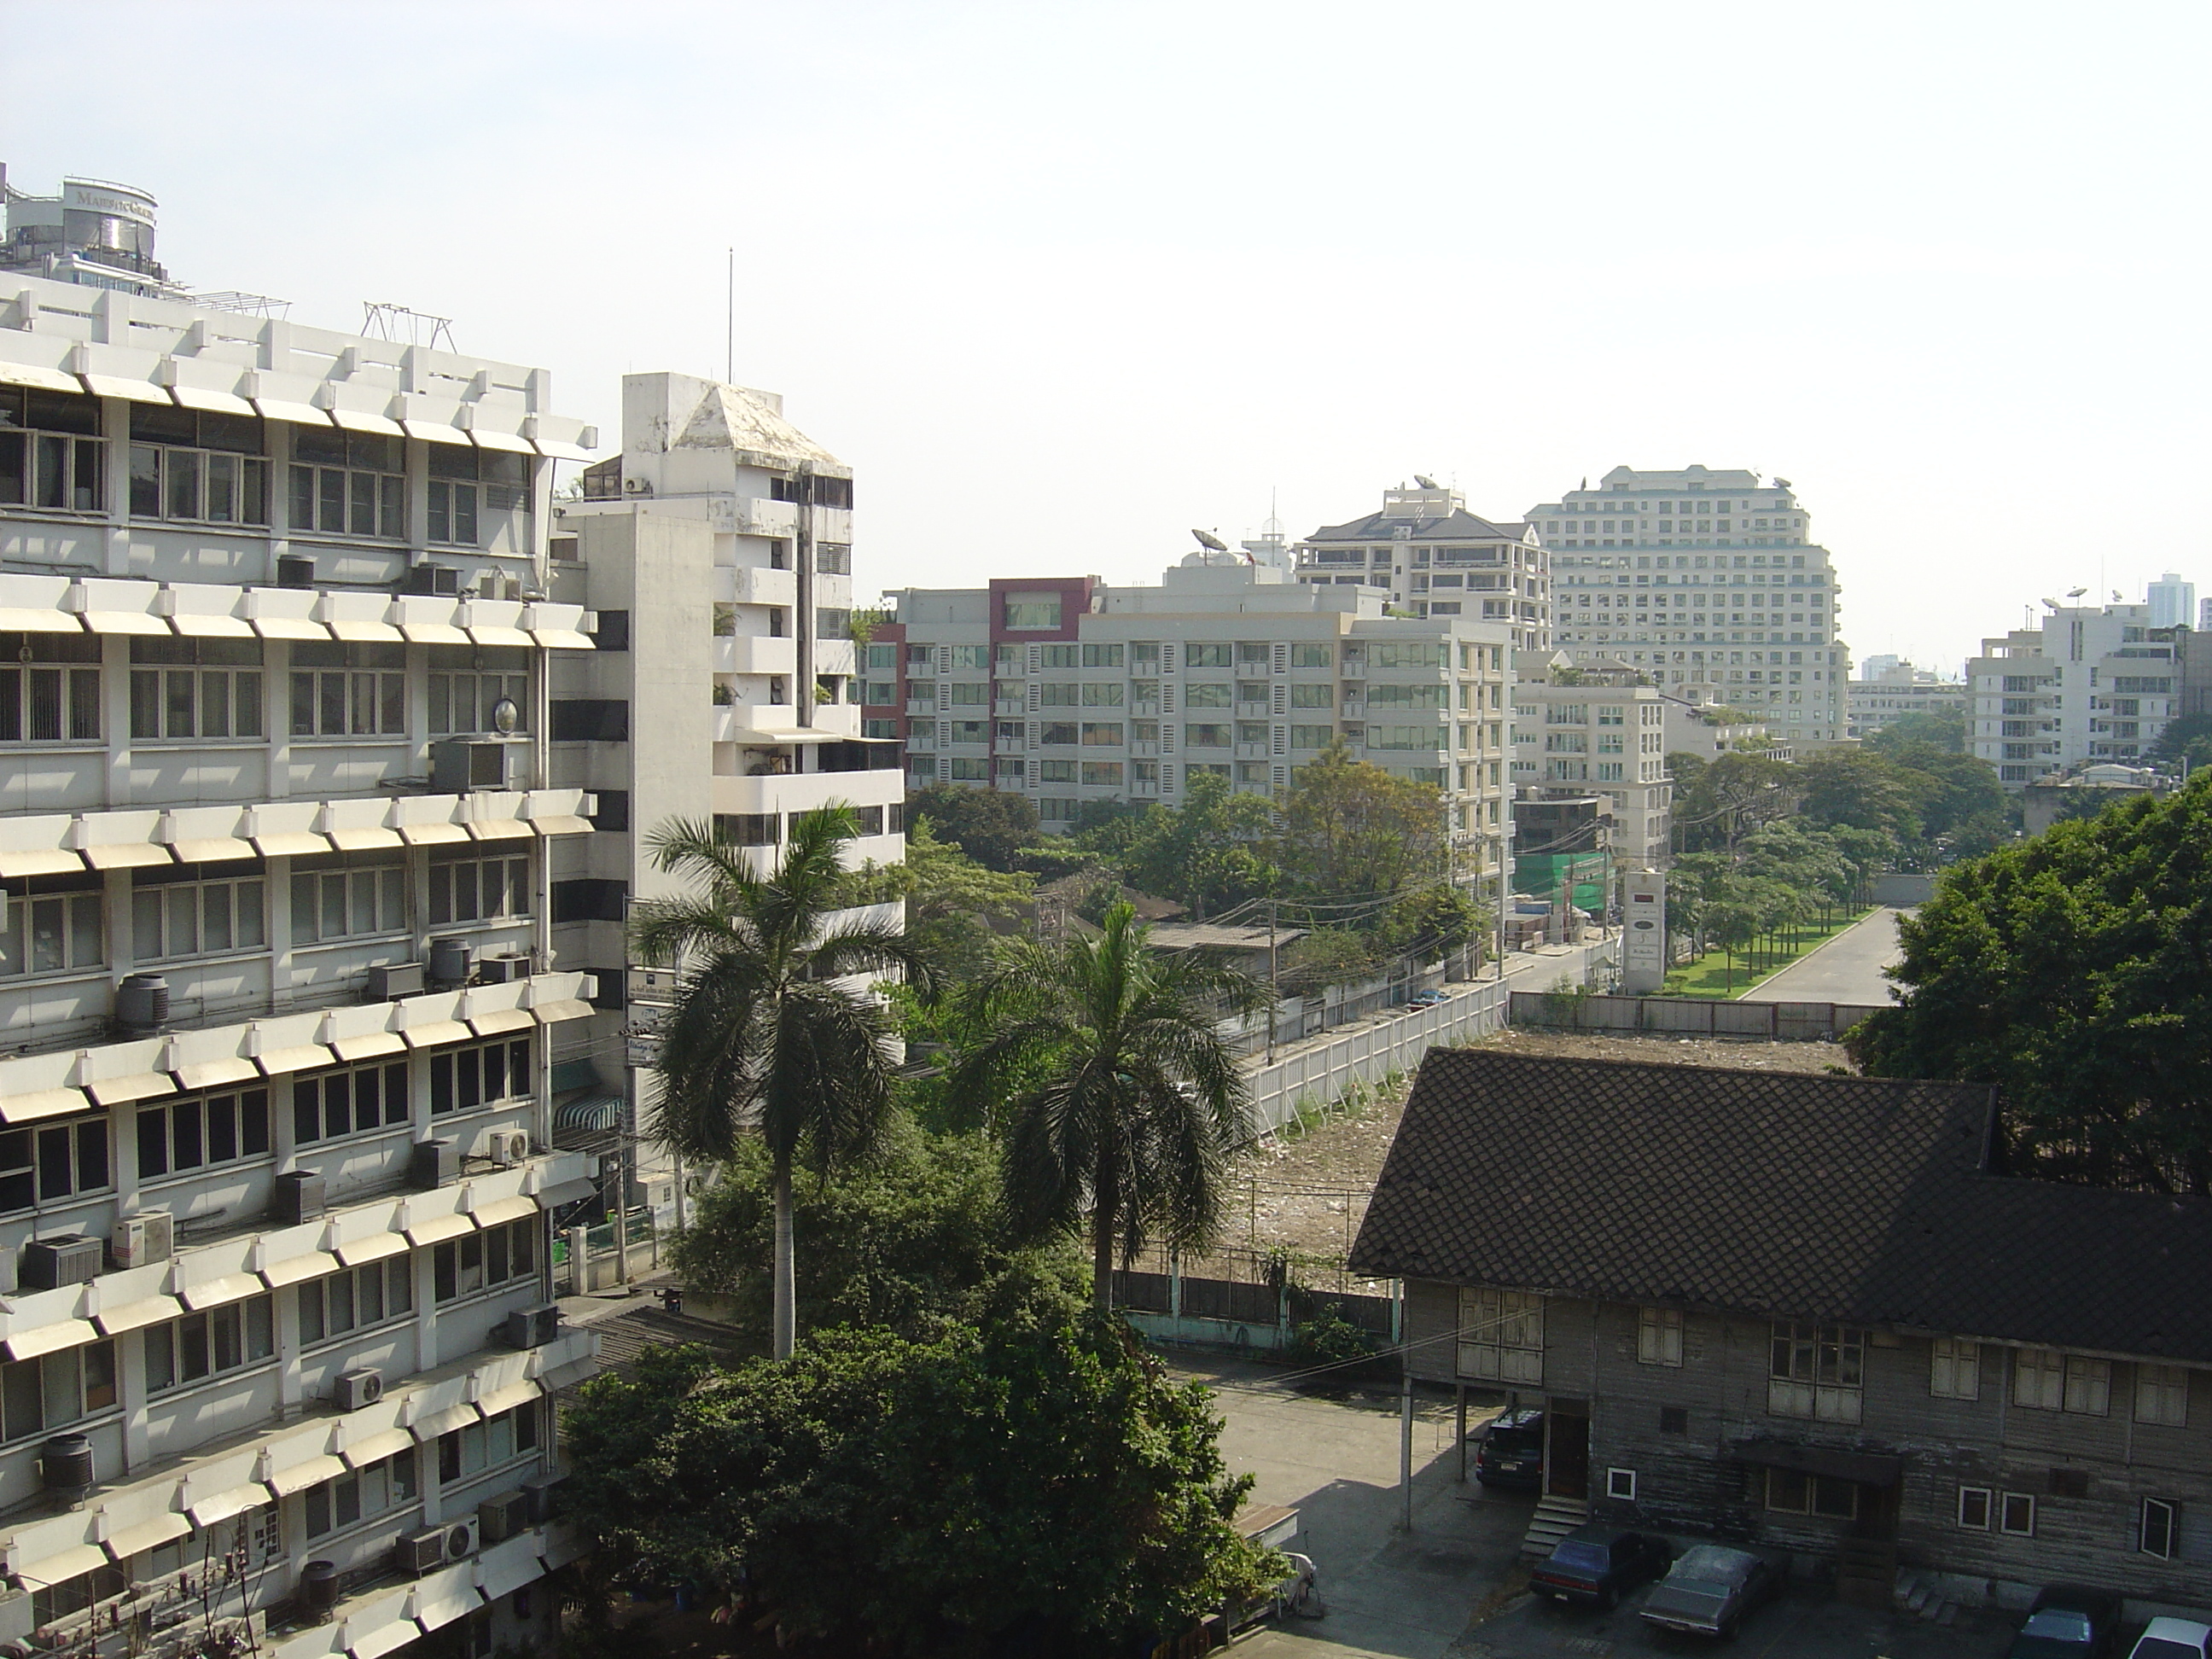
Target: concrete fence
[
  {"x": 1756, "y": 1022},
  {"x": 1323, "y": 1069}
]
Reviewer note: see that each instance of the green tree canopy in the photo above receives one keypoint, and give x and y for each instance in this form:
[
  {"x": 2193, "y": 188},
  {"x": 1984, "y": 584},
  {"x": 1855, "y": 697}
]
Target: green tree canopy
[
  {"x": 1038, "y": 1479},
  {"x": 955, "y": 907},
  {"x": 1730, "y": 796},
  {"x": 1119, "y": 1103},
  {"x": 762, "y": 1034},
  {"x": 989, "y": 826},
  {"x": 1349, "y": 827},
  {"x": 1209, "y": 854},
  {"x": 1944, "y": 729},
  {"x": 2072, "y": 971},
  {"x": 914, "y": 1235}
]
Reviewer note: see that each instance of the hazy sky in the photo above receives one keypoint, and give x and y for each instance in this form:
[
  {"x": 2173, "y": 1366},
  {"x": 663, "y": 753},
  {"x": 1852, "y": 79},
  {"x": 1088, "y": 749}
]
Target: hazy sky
[{"x": 1061, "y": 281}]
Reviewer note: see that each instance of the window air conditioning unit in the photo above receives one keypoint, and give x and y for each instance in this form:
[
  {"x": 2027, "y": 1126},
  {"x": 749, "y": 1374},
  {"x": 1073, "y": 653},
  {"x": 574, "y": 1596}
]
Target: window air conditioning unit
[
  {"x": 51, "y": 1263},
  {"x": 295, "y": 570},
  {"x": 437, "y": 1163},
  {"x": 501, "y": 1517},
  {"x": 298, "y": 1197},
  {"x": 508, "y": 1147},
  {"x": 419, "y": 1553},
  {"x": 452, "y": 961},
  {"x": 459, "y": 765},
  {"x": 351, "y": 1390},
  {"x": 532, "y": 1327},
  {"x": 502, "y": 969},
  {"x": 544, "y": 1492},
  {"x": 395, "y": 980},
  {"x": 442, "y": 580},
  {"x": 141, "y": 1240}
]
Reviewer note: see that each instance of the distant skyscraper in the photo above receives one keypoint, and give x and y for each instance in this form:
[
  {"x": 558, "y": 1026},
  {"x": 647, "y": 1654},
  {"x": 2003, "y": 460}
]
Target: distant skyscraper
[
  {"x": 2204, "y": 617},
  {"x": 2172, "y": 602}
]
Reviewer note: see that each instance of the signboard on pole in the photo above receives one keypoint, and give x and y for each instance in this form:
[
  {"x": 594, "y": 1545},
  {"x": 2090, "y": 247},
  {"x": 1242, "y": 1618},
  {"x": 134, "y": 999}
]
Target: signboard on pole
[{"x": 1643, "y": 932}]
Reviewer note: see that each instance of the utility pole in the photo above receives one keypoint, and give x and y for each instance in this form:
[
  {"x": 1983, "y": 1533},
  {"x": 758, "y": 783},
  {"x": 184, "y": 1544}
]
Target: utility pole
[{"x": 1273, "y": 995}]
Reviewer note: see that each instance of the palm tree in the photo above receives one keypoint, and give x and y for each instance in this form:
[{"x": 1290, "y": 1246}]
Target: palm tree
[
  {"x": 1125, "y": 1104},
  {"x": 762, "y": 1035}
]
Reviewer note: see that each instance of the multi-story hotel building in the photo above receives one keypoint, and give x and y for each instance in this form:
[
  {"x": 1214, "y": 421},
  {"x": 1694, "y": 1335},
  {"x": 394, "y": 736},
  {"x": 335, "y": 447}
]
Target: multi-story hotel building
[
  {"x": 2089, "y": 683},
  {"x": 1709, "y": 582},
  {"x": 1068, "y": 691},
  {"x": 1434, "y": 558},
  {"x": 279, "y": 1002}
]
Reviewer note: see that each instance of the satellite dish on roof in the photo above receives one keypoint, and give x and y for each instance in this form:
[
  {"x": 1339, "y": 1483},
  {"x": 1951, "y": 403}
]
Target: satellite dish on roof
[
  {"x": 1212, "y": 543},
  {"x": 1426, "y": 482},
  {"x": 2053, "y": 603},
  {"x": 2075, "y": 593}
]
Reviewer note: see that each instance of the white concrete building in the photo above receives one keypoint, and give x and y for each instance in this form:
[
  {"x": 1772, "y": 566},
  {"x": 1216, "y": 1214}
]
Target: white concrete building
[
  {"x": 279, "y": 1004},
  {"x": 1604, "y": 734},
  {"x": 1709, "y": 580},
  {"x": 1708, "y": 729},
  {"x": 1434, "y": 558},
  {"x": 1068, "y": 691},
  {"x": 1885, "y": 692},
  {"x": 715, "y": 552},
  {"x": 2091, "y": 684},
  {"x": 2172, "y": 602}
]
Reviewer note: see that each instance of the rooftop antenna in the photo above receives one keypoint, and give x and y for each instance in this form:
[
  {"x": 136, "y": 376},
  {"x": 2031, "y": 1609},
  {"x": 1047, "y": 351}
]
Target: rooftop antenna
[
  {"x": 403, "y": 325},
  {"x": 730, "y": 322}
]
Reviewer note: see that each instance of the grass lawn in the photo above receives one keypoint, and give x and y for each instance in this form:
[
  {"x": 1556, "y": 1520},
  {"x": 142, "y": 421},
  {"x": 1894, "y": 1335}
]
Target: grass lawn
[{"x": 1708, "y": 975}]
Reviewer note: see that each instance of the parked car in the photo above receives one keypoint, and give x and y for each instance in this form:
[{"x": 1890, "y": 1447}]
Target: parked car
[
  {"x": 2173, "y": 1638},
  {"x": 1511, "y": 1452},
  {"x": 1427, "y": 999},
  {"x": 1712, "y": 1588},
  {"x": 2068, "y": 1621},
  {"x": 1596, "y": 1567}
]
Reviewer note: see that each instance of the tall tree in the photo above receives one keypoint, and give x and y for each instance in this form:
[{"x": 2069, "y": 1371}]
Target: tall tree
[
  {"x": 1348, "y": 826},
  {"x": 1732, "y": 796},
  {"x": 1208, "y": 854},
  {"x": 955, "y": 907},
  {"x": 2072, "y": 970},
  {"x": 1128, "y": 1104},
  {"x": 989, "y": 826},
  {"x": 762, "y": 1034}
]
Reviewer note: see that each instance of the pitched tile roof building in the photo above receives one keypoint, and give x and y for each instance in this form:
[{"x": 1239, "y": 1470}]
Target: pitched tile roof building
[{"x": 1806, "y": 1310}]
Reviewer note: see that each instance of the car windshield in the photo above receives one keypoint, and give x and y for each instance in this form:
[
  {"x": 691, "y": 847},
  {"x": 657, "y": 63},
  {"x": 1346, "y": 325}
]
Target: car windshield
[
  {"x": 2060, "y": 1624},
  {"x": 1708, "y": 1564},
  {"x": 1515, "y": 1440},
  {"x": 1579, "y": 1558},
  {"x": 2157, "y": 1647}
]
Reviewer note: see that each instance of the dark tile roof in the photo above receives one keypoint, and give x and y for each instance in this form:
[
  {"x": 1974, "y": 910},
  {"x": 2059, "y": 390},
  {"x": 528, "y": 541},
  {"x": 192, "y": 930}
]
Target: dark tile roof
[
  {"x": 1864, "y": 1199},
  {"x": 1461, "y": 525}
]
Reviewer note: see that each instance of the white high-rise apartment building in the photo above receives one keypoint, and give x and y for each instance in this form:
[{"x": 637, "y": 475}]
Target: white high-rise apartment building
[
  {"x": 1710, "y": 582},
  {"x": 1068, "y": 691},
  {"x": 716, "y": 553},
  {"x": 2091, "y": 684},
  {"x": 2172, "y": 602},
  {"x": 1434, "y": 558},
  {"x": 279, "y": 1003}
]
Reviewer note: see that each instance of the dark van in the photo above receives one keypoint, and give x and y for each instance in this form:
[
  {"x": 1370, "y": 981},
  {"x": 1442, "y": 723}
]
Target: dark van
[{"x": 1510, "y": 1453}]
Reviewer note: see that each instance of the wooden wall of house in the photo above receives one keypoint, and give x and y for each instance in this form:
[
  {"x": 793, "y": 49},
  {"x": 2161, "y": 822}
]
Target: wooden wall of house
[{"x": 1688, "y": 1482}]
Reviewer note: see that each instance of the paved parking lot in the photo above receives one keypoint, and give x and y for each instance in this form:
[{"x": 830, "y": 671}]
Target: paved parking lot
[{"x": 1450, "y": 1589}]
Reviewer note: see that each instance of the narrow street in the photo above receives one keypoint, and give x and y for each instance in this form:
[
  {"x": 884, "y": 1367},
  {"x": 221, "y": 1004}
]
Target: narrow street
[{"x": 1847, "y": 969}]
